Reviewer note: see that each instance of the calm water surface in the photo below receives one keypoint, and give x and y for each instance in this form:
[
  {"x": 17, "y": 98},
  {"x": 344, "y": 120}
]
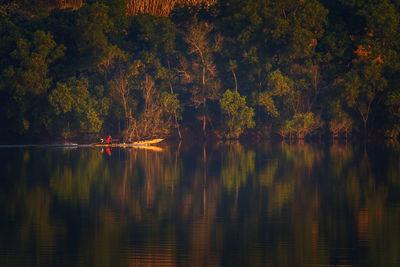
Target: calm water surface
[{"x": 225, "y": 204}]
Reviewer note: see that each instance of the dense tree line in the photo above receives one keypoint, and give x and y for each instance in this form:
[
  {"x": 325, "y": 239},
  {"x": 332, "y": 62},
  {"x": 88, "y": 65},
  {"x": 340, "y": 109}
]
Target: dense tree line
[
  {"x": 289, "y": 68},
  {"x": 162, "y": 7}
]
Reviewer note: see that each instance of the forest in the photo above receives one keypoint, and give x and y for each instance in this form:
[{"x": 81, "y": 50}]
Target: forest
[{"x": 227, "y": 69}]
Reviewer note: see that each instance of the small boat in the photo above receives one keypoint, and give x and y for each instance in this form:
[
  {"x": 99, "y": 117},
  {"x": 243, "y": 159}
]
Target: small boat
[
  {"x": 148, "y": 142},
  {"x": 134, "y": 144}
]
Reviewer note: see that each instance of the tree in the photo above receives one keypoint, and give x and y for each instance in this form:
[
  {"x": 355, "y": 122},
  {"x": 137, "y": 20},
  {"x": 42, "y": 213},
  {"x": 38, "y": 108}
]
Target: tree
[
  {"x": 362, "y": 86},
  {"x": 238, "y": 116},
  {"x": 341, "y": 123},
  {"x": 201, "y": 71},
  {"x": 374, "y": 34},
  {"x": 172, "y": 110},
  {"x": 34, "y": 58},
  {"x": 302, "y": 60},
  {"x": 277, "y": 43},
  {"x": 93, "y": 24},
  {"x": 152, "y": 40},
  {"x": 300, "y": 125},
  {"x": 278, "y": 86},
  {"x": 151, "y": 46},
  {"x": 148, "y": 121},
  {"x": 232, "y": 66},
  {"x": 81, "y": 110},
  {"x": 122, "y": 86},
  {"x": 393, "y": 105},
  {"x": 27, "y": 80}
]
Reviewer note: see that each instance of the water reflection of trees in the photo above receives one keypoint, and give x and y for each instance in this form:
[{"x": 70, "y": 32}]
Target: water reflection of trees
[
  {"x": 278, "y": 205},
  {"x": 238, "y": 164}
]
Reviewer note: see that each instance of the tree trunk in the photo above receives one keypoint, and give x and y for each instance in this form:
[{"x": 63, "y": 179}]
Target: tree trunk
[
  {"x": 178, "y": 128},
  {"x": 234, "y": 76},
  {"x": 365, "y": 130},
  {"x": 204, "y": 178},
  {"x": 204, "y": 125},
  {"x": 204, "y": 115}
]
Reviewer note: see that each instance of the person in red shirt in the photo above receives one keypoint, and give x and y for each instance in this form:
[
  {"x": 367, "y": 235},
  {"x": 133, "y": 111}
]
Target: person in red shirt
[{"x": 108, "y": 140}]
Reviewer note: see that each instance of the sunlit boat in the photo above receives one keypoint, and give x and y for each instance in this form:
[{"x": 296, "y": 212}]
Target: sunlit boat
[{"x": 134, "y": 144}]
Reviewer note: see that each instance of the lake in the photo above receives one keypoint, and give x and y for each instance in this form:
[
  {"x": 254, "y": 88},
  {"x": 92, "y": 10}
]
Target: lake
[{"x": 202, "y": 205}]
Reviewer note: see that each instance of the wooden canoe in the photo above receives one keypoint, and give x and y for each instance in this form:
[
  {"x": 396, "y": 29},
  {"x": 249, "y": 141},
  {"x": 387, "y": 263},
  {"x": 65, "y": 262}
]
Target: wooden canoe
[
  {"x": 134, "y": 144},
  {"x": 148, "y": 142}
]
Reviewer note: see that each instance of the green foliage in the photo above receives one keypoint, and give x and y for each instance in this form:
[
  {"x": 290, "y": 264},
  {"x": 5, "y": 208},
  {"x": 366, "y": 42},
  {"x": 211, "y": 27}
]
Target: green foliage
[
  {"x": 34, "y": 59},
  {"x": 238, "y": 116},
  {"x": 172, "y": 110},
  {"x": 117, "y": 12},
  {"x": 393, "y": 105},
  {"x": 300, "y": 126},
  {"x": 362, "y": 87},
  {"x": 393, "y": 101},
  {"x": 77, "y": 108},
  {"x": 94, "y": 26},
  {"x": 278, "y": 86},
  {"x": 394, "y": 132},
  {"x": 341, "y": 123},
  {"x": 307, "y": 24},
  {"x": 94, "y": 22},
  {"x": 238, "y": 166},
  {"x": 171, "y": 105},
  {"x": 25, "y": 81},
  {"x": 264, "y": 99},
  {"x": 154, "y": 34}
]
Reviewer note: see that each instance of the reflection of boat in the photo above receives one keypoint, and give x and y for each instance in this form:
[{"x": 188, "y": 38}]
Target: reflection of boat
[
  {"x": 144, "y": 143},
  {"x": 69, "y": 145},
  {"x": 152, "y": 148}
]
